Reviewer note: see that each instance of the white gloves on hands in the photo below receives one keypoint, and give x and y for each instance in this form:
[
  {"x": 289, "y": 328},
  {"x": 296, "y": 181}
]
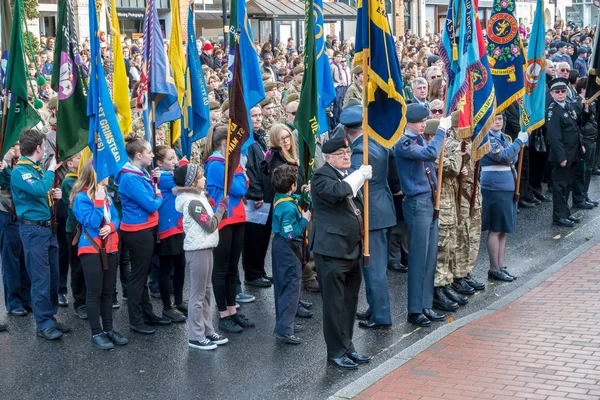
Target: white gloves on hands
[
  {"x": 367, "y": 171},
  {"x": 523, "y": 136},
  {"x": 358, "y": 178},
  {"x": 446, "y": 122}
]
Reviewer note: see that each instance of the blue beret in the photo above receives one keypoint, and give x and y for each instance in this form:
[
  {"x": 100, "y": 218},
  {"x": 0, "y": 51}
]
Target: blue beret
[
  {"x": 552, "y": 51},
  {"x": 560, "y": 45},
  {"x": 416, "y": 112},
  {"x": 351, "y": 116},
  {"x": 584, "y": 50},
  {"x": 332, "y": 145}
]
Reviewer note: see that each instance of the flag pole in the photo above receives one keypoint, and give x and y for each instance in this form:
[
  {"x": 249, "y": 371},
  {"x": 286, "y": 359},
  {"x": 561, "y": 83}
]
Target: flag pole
[
  {"x": 4, "y": 111},
  {"x": 365, "y": 127},
  {"x": 438, "y": 194},
  {"x": 227, "y": 160},
  {"x": 519, "y": 172}
]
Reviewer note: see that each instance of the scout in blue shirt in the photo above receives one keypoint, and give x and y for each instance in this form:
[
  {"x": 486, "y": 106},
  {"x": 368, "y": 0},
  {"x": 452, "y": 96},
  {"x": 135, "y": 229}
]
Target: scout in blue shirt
[
  {"x": 289, "y": 222},
  {"x": 33, "y": 197},
  {"x": 414, "y": 160}
]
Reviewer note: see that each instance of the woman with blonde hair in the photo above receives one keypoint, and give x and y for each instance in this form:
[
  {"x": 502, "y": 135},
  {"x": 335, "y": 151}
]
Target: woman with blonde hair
[{"x": 436, "y": 90}]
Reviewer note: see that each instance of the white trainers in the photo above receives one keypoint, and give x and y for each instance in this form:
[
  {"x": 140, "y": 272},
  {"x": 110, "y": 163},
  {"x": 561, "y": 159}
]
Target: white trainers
[{"x": 206, "y": 344}]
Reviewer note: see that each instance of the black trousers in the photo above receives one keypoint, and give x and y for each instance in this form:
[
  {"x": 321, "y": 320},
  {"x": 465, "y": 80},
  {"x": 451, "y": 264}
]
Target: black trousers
[
  {"x": 63, "y": 251},
  {"x": 578, "y": 183},
  {"x": 124, "y": 268},
  {"x": 256, "y": 243},
  {"x": 141, "y": 247},
  {"x": 589, "y": 165},
  {"x": 164, "y": 279},
  {"x": 78, "y": 286},
  {"x": 526, "y": 193},
  {"x": 562, "y": 179},
  {"x": 225, "y": 268},
  {"x": 537, "y": 169},
  {"x": 99, "y": 284},
  {"x": 339, "y": 281}
]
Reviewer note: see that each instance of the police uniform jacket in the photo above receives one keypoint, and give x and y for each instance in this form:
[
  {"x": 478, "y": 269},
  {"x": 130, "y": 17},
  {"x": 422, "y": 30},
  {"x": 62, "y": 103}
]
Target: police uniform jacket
[
  {"x": 381, "y": 211},
  {"x": 335, "y": 231},
  {"x": 563, "y": 133}
]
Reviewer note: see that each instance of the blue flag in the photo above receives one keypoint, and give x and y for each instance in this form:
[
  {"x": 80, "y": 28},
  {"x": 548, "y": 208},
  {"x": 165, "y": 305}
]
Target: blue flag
[
  {"x": 196, "y": 111},
  {"x": 326, "y": 90},
  {"x": 534, "y": 101},
  {"x": 386, "y": 106},
  {"x": 254, "y": 91},
  {"x": 505, "y": 53},
  {"x": 158, "y": 93},
  {"x": 105, "y": 139}
]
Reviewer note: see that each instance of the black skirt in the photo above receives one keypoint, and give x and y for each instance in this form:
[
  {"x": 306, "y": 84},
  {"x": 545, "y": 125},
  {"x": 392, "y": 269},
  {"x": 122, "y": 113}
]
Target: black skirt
[
  {"x": 498, "y": 211},
  {"x": 170, "y": 246}
]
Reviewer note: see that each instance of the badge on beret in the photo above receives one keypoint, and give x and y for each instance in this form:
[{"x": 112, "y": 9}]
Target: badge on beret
[{"x": 345, "y": 141}]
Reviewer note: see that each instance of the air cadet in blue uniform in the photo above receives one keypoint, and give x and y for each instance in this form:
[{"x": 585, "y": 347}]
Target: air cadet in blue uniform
[
  {"x": 382, "y": 217},
  {"x": 581, "y": 62},
  {"x": 414, "y": 159},
  {"x": 34, "y": 198}
]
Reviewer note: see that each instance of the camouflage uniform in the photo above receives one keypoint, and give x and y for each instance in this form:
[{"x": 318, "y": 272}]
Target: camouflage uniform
[
  {"x": 198, "y": 150},
  {"x": 468, "y": 233},
  {"x": 278, "y": 113},
  {"x": 448, "y": 219},
  {"x": 355, "y": 91},
  {"x": 268, "y": 122},
  {"x": 294, "y": 89}
]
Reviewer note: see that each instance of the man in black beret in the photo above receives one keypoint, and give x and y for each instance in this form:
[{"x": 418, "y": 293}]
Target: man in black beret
[{"x": 336, "y": 241}]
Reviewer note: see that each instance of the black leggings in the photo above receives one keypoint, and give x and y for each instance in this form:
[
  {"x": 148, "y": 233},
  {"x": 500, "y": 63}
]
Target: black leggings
[
  {"x": 99, "y": 286},
  {"x": 178, "y": 263},
  {"x": 225, "y": 268}
]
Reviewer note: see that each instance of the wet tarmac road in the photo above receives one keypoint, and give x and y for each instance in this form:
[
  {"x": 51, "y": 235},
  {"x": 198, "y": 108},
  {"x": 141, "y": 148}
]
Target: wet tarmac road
[{"x": 253, "y": 365}]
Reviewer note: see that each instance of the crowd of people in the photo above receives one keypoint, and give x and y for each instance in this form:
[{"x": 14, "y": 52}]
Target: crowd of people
[{"x": 145, "y": 229}]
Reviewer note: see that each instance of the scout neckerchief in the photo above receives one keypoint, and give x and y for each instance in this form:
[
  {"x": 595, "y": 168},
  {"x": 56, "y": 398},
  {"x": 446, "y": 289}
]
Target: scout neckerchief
[
  {"x": 294, "y": 249},
  {"x": 288, "y": 199},
  {"x": 36, "y": 166}
]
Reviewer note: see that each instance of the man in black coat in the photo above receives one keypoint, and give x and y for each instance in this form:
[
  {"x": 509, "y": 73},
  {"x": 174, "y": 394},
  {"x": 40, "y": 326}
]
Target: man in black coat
[{"x": 336, "y": 241}]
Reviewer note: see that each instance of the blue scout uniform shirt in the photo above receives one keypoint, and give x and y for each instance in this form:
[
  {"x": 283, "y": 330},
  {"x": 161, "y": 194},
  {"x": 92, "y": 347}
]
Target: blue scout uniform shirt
[
  {"x": 413, "y": 155},
  {"x": 31, "y": 186},
  {"x": 287, "y": 219}
]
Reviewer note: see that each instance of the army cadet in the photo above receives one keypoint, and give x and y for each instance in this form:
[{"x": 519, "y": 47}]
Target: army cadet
[
  {"x": 268, "y": 110},
  {"x": 272, "y": 92},
  {"x": 355, "y": 90},
  {"x": 382, "y": 217},
  {"x": 34, "y": 198},
  {"x": 335, "y": 240},
  {"x": 224, "y": 113},
  {"x": 565, "y": 151},
  {"x": 444, "y": 297},
  {"x": 215, "y": 112},
  {"x": 419, "y": 188},
  {"x": 297, "y": 74}
]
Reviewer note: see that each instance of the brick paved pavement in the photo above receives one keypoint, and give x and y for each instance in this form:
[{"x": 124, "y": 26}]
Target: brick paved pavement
[{"x": 545, "y": 345}]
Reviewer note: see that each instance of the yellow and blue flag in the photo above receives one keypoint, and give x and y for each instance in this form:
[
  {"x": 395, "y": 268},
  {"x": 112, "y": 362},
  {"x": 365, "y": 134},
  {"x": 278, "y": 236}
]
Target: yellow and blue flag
[
  {"x": 506, "y": 57},
  {"x": 534, "y": 101},
  {"x": 386, "y": 106},
  {"x": 325, "y": 88},
  {"x": 158, "y": 94},
  {"x": 105, "y": 138},
  {"x": 177, "y": 59},
  {"x": 120, "y": 84},
  {"x": 195, "y": 117}
]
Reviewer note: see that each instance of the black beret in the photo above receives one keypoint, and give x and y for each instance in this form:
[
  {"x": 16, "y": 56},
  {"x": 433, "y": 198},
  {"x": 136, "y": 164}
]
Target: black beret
[
  {"x": 416, "y": 112},
  {"x": 332, "y": 145},
  {"x": 559, "y": 83}
]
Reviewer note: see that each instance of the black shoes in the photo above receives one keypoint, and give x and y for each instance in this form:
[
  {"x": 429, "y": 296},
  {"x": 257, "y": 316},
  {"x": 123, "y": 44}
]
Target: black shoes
[
  {"x": 81, "y": 312},
  {"x": 305, "y": 304},
  {"x": 242, "y": 321},
  {"x": 312, "y": 286},
  {"x": 260, "y": 283},
  {"x": 116, "y": 338},
  {"x": 505, "y": 270},
  {"x": 343, "y": 362},
  {"x": 542, "y": 198},
  {"x": 373, "y": 325},
  {"x": 432, "y": 315},
  {"x": 206, "y": 344},
  {"x": 156, "y": 320},
  {"x": 102, "y": 342},
  {"x": 499, "y": 275},
  {"x": 3, "y": 327},
  {"x": 50, "y": 333},
  {"x": 143, "y": 329},
  {"x": 62, "y": 327},
  {"x": 174, "y": 315},
  {"x": 269, "y": 278},
  {"x": 584, "y": 205},
  {"x": 563, "y": 222},
  {"x": 460, "y": 285},
  {"x": 595, "y": 203},
  {"x": 473, "y": 283},
  {"x": 291, "y": 339},
  {"x": 363, "y": 316},
  {"x": 62, "y": 300},
  {"x": 442, "y": 302},
  {"x": 419, "y": 320},
  {"x": 116, "y": 304},
  {"x": 18, "y": 312},
  {"x": 183, "y": 308},
  {"x": 398, "y": 268},
  {"x": 574, "y": 219},
  {"x": 358, "y": 359},
  {"x": 455, "y": 297},
  {"x": 227, "y": 324},
  {"x": 525, "y": 204},
  {"x": 304, "y": 313}
]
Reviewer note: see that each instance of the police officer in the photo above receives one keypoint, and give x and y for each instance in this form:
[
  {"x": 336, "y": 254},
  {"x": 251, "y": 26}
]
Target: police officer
[
  {"x": 565, "y": 151},
  {"x": 34, "y": 198},
  {"x": 415, "y": 160},
  {"x": 382, "y": 218},
  {"x": 336, "y": 243}
]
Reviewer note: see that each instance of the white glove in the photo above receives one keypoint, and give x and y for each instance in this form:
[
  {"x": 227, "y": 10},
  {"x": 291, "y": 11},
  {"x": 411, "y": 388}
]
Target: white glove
[
  {"x": 357, "y": 179},
  {"x": 523, "y": 136},
  {"x": 367, "y": 171},
  {"x": 446, "y": 122}
]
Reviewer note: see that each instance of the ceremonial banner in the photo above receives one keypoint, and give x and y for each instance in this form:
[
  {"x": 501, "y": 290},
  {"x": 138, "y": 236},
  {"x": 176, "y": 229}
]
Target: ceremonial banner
[
  {"x": 120, "y": 83},
  {"x": 239, "y": 129},
  {"x": 534, "y": 101},
  {"x": 307, "y": 116},
  {"x": 158, "y": 94},
  {"x": 105, "y": 139},
  {"x": 196, "y": 111},
  {"x": 386, "y": 106},
  {"x": 6, "y": 21},
  {"x": 21, "y": 114},
  {"x": 505, "y": 56},
  {"x": 593, "y": 86},
  {"x": 448, "y": 50},
  {"x": 177, "y": 58},
  {"x": 72, "y": 122},
  {"x": 326, "y": 90}
]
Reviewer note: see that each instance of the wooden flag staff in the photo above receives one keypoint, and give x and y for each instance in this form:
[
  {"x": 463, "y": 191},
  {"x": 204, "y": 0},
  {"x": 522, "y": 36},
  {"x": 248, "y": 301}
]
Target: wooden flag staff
[{"x": 365, "y": 126}]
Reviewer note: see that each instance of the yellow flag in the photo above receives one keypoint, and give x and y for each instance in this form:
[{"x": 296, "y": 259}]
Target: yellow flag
[
  {"x": 86, "y": 154},
  {"x": 177, "y": 59},
  {"x": 120, "y": 85}
]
